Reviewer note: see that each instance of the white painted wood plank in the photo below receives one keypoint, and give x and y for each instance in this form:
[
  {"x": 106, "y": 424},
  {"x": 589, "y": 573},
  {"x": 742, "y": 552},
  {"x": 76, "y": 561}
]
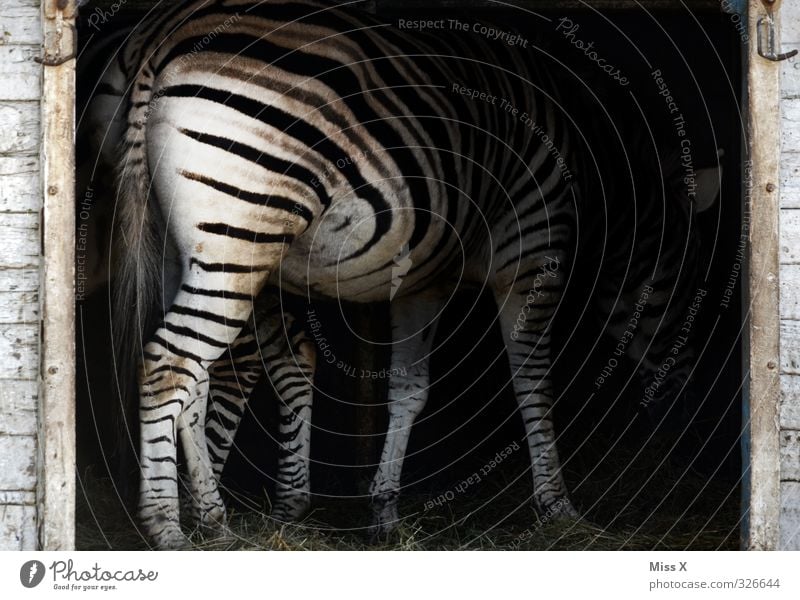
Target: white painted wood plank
[
  {"x": 790, "y": 455},
  {"x": 789, "y": 536},
  {"x": 19, "y": 122},
  {"x": 19, "y": 347},
  {"x": 790, "y": 236},
  {"x": 790, "y": 23},
  {"x": 19, "y": 307},
  {"x": 20, "y": 189},
  {"x": 790, "y": 124},
  {"x": 790, "y": 292},
  {"x": 19, "y": 22},
  {"x": 17, "y": 462},
  {"x": 790, "y": 40},
  {"x": 18, "y": 400},
  {"x": 17, "y": 527},
  {"x": 790, "y": 180},
  {"x": 19, "y": 280},
  {"x": 790, "y": 347},
  {"x": 790, "y": 401},
  {"x": 790, "y": 74},
  {"x": 20, "y": 240},
  {"x": 20, "y": 76},
  {"x": 17, "y": 497},
  {"x": 13, "y": 165}
]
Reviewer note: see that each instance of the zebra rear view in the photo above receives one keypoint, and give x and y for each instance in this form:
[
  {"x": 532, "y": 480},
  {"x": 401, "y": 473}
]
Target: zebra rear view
[{"x": 308, "y": 146}]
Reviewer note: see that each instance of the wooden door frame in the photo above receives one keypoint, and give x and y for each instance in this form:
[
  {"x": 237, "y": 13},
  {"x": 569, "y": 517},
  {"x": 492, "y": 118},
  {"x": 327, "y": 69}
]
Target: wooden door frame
[
  {"x": 55, "y": 514},
  {"x": 56, "y": 477},
  {"x": 761, "y": 489}
]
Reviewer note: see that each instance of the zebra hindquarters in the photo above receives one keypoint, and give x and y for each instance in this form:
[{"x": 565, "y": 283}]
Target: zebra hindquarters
[
  {"x": 414, "y": 320},
  {"x": 526, "y": 308}
]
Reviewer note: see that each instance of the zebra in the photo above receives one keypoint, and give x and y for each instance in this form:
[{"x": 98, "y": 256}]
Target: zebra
[
  {"x": 277, "y": 346},
  {"x": 306, "y": 145}
]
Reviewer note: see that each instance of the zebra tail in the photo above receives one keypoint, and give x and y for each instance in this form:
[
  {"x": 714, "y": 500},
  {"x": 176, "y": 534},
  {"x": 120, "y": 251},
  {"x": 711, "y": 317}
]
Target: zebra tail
[{"x": 138, "y": 241}]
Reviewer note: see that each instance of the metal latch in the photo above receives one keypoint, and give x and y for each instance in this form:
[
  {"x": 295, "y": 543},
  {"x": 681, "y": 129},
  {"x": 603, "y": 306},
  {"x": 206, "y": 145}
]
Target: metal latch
[
  {"x": 765, "y": 35},
  {"x": 59, "y": 33}
]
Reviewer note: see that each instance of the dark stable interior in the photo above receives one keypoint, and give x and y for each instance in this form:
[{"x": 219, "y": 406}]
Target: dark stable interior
[{"x": 627, "y": 467}]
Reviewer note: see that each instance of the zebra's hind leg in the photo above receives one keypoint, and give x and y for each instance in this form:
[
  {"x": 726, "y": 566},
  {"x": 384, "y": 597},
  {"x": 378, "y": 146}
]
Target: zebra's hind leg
[
  {"x": 526, "y": 308},
  {"x": 413, "y": 328},
  {"x": 194, "y": 333},
  {"x": 290, "y": 359},
  {"x": 277, "y": 342},
  {"x": 202, "y": 484},
  {"x": 232, "y": 379}
]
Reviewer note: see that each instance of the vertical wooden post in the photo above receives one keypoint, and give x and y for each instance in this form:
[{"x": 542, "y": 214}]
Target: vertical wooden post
[
  {"x": 56, "y": 478},
  {"x": 763, "y": 147}
]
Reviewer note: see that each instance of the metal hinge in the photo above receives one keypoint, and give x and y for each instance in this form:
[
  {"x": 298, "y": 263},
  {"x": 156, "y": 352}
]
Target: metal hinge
[
  {"x": 768, "y": 45},
  {"x": 60, "y": 34}
]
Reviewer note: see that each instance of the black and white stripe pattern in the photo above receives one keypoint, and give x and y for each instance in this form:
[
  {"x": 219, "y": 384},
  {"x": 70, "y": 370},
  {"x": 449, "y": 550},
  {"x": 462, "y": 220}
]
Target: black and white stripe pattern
[{"x": 309, "y": 146}]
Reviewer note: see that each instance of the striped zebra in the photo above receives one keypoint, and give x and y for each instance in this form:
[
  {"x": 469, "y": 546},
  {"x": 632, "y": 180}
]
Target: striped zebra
[
  {"x": 278, "y": 346},
  {"x": 308, "y": 146}
]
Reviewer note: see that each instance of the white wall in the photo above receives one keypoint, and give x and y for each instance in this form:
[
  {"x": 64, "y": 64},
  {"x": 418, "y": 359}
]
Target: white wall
[
  {"x": 790, "y": 282},
  {"x": 20, "y": 203}
]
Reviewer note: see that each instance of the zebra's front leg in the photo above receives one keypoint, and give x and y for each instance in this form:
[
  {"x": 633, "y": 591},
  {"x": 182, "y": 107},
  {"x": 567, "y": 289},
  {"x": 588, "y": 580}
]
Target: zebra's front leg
[
  {"x": 526, "y": 310},
  {"x": 413, "y": 330}
]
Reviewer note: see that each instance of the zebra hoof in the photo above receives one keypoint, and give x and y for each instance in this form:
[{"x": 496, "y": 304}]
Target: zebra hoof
[
  {"x": 291, "y": 508},
  {"x": 214, "y": 524},
  {"x": 560, "y": 510},
  {"x": 379, "y": 534},
  {"x": 172, "y": 539},
  {"x": 384, "y": 523}
]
